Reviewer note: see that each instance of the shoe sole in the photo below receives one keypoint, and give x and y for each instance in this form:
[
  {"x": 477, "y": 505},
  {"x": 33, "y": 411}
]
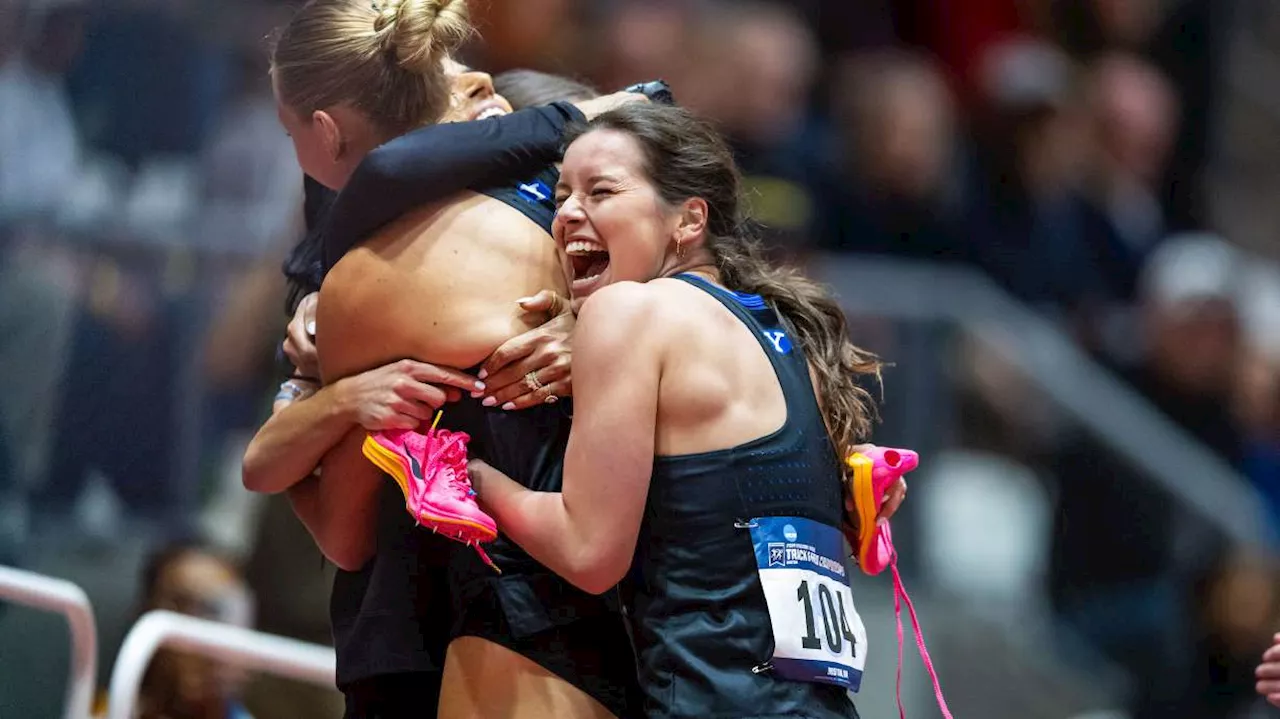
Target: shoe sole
[
  {"x": 389, "y": 461},
  {"x": 864, "y": 502}
]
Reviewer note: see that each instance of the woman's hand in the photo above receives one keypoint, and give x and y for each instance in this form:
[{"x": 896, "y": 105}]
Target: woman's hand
[
  {"x": 533, "y": 368},
  {"x": 889, "y": 505},
  {"x": 600, "y": 105},
  {"x": 401, "y": 395},
  {"x": 1268, "y": 673},
  {"x": 300, "y": 344}
]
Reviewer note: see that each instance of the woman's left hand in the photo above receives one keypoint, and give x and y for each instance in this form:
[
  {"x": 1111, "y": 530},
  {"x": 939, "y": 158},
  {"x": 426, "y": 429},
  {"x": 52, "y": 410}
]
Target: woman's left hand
[
  {"x": 533, "y": 368},
  {"x": 888, "y": 506},
  {"x": 892, "y": 500},
  {"x": 300, "y": 342},
  {"x": 1268, "y": 673}
]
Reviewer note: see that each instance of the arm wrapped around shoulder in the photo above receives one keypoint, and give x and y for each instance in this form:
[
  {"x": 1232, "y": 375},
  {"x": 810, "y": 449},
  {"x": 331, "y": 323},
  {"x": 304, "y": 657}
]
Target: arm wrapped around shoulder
[{"x": 437, "y": 162}]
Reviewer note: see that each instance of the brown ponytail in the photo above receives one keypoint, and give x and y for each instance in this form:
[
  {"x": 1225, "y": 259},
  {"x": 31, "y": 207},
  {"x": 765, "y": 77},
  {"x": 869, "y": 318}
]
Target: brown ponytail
[
  {"x": 685, "y": 157},
  {"x": 821, "y": 330}
]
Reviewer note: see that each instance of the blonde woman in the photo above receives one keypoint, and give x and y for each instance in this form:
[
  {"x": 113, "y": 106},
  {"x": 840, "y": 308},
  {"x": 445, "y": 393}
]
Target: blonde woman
[{"x": 438, "y": 286}]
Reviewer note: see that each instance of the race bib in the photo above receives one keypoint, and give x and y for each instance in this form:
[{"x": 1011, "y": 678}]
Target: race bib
[{"x": 817, "y": 633}]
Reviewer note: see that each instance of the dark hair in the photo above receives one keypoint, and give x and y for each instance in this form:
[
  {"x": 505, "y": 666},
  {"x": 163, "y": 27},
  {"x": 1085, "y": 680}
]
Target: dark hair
[
  {"x": 530, "y": 88},
  {"x": 303, "y": 268},
  {"x": 685, "y": 157}
]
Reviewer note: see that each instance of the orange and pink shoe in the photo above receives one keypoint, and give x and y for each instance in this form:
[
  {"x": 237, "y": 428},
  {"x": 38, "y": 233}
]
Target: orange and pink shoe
[
  {"x": 431, "y": 469},
  {"x": 875, "y": 471}
]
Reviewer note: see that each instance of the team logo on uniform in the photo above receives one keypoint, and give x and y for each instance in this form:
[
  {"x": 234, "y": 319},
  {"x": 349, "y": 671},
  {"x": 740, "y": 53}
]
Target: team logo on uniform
[
  {"x": 535, "y": 191},
  {"x": 789, "y": 532},
  {"x": 781, "y": 343}
]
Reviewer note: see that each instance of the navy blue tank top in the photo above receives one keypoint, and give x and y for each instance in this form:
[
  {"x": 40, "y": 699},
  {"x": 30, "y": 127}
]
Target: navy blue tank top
[
  {"x": 535, "y": 196},
  {"x": 699, "y": 619}
]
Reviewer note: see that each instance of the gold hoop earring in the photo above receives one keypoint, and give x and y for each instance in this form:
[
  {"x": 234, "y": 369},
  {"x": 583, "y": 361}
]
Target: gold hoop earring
[{"x": 679, "y": 249}]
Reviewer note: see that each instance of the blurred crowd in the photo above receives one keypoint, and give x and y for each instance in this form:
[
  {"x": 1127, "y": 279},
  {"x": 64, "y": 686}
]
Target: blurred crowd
[{"x": 1109, "y": 163}]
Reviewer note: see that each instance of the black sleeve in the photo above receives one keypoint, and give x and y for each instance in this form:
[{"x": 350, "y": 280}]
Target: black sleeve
[
  {"x": 439, "y": 161},
  {"x": 316, "y": 200}
]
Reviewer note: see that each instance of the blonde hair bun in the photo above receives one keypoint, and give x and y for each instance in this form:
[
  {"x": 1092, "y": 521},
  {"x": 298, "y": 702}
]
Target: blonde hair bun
[{"x": 421, "y": 33}]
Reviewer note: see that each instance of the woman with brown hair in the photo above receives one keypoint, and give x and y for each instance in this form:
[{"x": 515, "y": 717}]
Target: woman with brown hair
[{"x": 715, "y": 398}]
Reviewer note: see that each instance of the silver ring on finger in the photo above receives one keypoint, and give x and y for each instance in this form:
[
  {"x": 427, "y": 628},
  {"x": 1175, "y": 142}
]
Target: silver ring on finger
[
  {"x": 531, "y": 381},
  {"x": 551, "y": 399}
]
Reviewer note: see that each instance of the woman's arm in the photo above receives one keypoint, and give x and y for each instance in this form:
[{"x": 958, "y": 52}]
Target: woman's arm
[
  {"x": 292, "y": 443},
  {"x": 587, "y": 532},
  {"x": 437, "y": 162},
  {"x": 339, "y": 506}
]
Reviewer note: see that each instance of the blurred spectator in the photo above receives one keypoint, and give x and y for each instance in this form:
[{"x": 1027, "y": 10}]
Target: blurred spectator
[
  {"x": 1239, "y": 608},
  {"x": 1026, "y": 213},
  {"x": 900, "y": 192},
  {"x": 1191, "y": 47},
  {"x": 188, "y": 579},
  {"x": 12, "y": 17},
  {"x": 252, "y": 185},
  {"x": 961, "y": 33},
  {"x": 148, "y": 83},
  {"x": 1186, "y": 40},
  {"x": 845, "y": 27},
  {"x": 38, "y": 137},
  {"x": 526, "y": 33},
  {"x": 1126, "y": 557},
  {"x": 756, "y": 73},
  {"x": 1134, "y": 115},
  {"x": 1258, "y": 383},
  {"x": 1094, "y": 26},
  {"x": 644, "y": 40},
  {"x": 1189, "y": 291},
  {"x": 115, "y": 413},
  {"x": 774, "y": 57}
]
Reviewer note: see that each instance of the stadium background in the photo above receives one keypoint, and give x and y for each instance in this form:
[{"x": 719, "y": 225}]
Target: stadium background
[{"x": 1057, "y": 218}]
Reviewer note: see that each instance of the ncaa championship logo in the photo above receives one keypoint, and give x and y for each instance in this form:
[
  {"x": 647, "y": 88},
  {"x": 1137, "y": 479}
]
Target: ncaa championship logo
[{"x": 777, "y": 554}]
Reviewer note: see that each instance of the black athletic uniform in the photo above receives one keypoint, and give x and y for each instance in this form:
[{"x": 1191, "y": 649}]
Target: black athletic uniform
[{"x": 704, "y": 639}]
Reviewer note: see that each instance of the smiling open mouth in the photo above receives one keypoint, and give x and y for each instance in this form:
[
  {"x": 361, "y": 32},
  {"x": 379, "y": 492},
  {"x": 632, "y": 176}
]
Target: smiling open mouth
[{"x": 589, "y": 259}]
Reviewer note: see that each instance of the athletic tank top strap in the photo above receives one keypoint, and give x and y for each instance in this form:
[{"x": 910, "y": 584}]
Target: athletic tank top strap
[
  {"x": 774, "y": 336},
  {"x": 533, "y": 196}
]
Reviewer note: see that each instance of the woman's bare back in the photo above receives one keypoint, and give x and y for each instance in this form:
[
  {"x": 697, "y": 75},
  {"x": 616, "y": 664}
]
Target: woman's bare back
[{"x": 439, "y": 285}]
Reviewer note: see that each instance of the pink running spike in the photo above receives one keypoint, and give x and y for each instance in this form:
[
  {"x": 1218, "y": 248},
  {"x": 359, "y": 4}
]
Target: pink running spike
[
  {"x": 874, "y": 472},
  {"x": 431, "y": 470}
]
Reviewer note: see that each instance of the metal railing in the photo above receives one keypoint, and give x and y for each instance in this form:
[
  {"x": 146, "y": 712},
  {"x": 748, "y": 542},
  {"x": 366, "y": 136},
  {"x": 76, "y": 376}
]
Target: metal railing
[
  {"x": 232, "y": 645},
  {"x": 1130, "y": 426},
  {"x": 58, "y": 595}
]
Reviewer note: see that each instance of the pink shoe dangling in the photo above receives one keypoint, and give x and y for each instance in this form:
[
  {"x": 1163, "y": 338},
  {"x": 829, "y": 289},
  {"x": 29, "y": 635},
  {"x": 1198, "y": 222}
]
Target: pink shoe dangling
[
  {"x": 875, "y": 471},
  {"x": 431, "y": 470}
]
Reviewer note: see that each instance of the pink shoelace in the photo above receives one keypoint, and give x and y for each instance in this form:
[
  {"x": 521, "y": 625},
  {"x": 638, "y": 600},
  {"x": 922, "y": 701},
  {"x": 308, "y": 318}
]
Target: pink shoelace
[
  {"x": 449, "y": 456},
  {"x": 899, "y": 596},
  {"x": 435, "y": 461}
]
